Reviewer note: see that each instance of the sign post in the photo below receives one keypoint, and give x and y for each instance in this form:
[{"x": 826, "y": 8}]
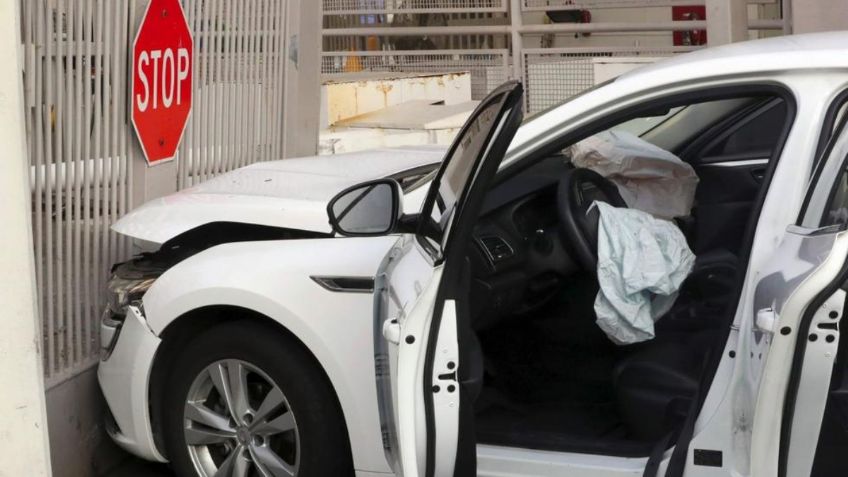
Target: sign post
[{"x": 161, "y": 84}]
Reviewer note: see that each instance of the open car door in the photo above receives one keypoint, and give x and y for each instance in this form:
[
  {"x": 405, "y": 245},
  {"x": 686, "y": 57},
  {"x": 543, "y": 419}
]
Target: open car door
[{"x": 428, "y": 367}]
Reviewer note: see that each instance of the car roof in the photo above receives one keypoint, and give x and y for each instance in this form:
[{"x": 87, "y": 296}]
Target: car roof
[
  {"x": 793, "y": 52},
  {"x": 770, "y": 57}
]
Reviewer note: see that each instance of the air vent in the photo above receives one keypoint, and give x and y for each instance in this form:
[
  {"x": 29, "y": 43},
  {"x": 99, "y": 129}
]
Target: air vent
[{"x": 496, "y": 248}]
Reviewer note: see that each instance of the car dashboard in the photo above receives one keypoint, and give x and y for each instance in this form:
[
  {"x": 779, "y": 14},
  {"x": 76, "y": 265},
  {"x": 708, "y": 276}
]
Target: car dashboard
[{"x": 518, "y": 258}]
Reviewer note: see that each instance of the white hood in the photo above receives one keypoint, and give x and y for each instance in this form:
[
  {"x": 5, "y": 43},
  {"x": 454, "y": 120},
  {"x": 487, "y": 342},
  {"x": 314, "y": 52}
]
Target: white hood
[{"x": 289, "y": 193}]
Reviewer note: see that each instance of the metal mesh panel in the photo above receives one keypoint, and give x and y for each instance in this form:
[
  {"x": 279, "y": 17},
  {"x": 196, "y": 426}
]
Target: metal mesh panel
[
  {"x": 531, "y": 5},
  {"x": 538, "y": 5},
  {"x": 75, "y": 77},
  {"x": 553, "y": 75},
  {"x": 341, "y": 7},
  {"x": 82, "y": 146},
  {"x": 488, "y": 68},
  {"x": 239, "y": 73}
]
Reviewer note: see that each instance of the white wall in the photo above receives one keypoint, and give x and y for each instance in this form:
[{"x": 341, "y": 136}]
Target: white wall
[
  {"x": 23, "y": 421},
  {"x": 819, "y": 15}
]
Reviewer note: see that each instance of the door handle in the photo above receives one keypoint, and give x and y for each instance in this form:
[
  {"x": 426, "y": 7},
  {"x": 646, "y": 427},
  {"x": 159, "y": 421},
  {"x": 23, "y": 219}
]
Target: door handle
[
  {"x": 391, "y": 331},
  {"x": 758, "y": 174},
  {"x": 766, "y": 320}
]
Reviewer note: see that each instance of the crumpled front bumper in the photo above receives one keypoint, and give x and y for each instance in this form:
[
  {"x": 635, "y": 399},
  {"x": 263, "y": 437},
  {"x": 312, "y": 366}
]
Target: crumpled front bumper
[{"x": 124, "y": 377}]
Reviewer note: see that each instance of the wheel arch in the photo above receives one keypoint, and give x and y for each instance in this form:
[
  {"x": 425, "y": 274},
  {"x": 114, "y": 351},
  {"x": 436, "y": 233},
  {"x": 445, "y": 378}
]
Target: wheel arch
[
  {"x": 271, "y": 282},
  {"x": 194, "y": 322}
]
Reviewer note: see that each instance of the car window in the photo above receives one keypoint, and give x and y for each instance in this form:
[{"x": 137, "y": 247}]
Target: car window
[
  {"x": 459, "y": 166},
  {"x": 755, "y": 138},
  {"x": 641, "y": 125},
  {"x": 415, "y": 178},
  {"x": 837, "y": 210}
]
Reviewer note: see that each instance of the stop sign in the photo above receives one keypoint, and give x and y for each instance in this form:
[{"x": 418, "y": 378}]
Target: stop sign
[{"x": 161, "y": 79}]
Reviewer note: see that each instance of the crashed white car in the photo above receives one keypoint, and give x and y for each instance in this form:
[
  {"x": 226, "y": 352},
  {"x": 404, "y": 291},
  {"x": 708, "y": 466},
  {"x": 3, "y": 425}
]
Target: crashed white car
[{"x": 459, "y": 337}]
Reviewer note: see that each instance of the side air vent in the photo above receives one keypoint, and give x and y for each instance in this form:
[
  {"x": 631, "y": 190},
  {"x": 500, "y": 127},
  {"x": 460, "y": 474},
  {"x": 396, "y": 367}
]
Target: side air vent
[{"x": 496, "y": 248}]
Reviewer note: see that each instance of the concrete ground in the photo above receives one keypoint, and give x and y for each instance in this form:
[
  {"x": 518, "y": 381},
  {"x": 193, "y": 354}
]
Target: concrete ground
[{"x": 139, "y": 468}]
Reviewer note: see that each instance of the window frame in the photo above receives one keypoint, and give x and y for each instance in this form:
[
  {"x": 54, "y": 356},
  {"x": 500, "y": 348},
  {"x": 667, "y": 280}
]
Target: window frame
[
  {"x": 748, "y": 115},
  {"x": 827, "y": 142}
]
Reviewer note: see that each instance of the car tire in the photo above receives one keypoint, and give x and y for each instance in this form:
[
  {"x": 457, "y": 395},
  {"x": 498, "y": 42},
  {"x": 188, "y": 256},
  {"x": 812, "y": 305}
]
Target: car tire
[{"x": 292, "y": 423}]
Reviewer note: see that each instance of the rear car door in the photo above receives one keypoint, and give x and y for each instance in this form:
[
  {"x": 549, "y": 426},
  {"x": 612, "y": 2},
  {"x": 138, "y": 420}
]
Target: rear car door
[
  {"x": 800, "y": 302},
  {"x": 427, "y": 367}
]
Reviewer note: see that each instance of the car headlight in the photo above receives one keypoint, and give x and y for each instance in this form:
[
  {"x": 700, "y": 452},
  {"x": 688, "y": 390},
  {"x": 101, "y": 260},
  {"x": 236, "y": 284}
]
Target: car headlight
[
  {"x": 124, "y": 291},
  {"x": 127, "y": 285}
]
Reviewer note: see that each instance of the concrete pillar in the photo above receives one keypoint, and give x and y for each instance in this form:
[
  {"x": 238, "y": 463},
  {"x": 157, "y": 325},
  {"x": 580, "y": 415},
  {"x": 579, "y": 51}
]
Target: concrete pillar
[
  {"x": 727, "y": 21},
  {"x": 23, "y": 442},
  {"x": 302, "y": 105},
  {"x": 818, "y": 15},
  {"x": 516, "y": 22}
]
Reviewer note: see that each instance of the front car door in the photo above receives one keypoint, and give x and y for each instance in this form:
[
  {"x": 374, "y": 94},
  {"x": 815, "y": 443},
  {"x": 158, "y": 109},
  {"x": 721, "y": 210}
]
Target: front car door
[{"x": 427, "y": 369}]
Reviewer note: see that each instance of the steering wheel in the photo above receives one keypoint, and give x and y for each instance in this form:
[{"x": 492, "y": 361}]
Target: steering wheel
[{"x": 578, "y": 189}]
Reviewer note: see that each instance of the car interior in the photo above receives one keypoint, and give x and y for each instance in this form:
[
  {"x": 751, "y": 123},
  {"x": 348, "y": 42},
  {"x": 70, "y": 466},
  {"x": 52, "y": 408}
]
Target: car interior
[{"x": 552, "y": 380}]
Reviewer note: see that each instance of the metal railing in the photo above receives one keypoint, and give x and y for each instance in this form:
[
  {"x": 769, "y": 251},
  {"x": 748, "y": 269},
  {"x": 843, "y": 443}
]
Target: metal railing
[
  {"x": 552, "y": 75},
  {"x": 549, "y": 74},
  {"x": 239, "y": 85},
  {"x": 549, "y": 5},
  {"x": 75, "y": 73},
  {"x": 488, "y": 68},
  {"x": 370, "y": 7},
  {"x": 82, "y": 146}
]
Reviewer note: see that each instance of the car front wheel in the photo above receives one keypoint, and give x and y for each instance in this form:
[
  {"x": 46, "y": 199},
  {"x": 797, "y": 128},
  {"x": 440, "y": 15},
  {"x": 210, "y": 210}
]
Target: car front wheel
[{"x": 246, "y": 401}]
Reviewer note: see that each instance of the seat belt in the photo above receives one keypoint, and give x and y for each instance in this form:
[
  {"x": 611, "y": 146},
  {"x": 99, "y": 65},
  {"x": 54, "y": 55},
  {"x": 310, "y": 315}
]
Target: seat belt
[
  {"x": 677, "y": 461},
  {"x": 653, "y": 465}
]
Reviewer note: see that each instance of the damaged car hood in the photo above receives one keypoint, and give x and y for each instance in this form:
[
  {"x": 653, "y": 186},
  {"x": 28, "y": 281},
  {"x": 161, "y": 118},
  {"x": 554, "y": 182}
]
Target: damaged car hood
[{"x": 289, "y": 193}]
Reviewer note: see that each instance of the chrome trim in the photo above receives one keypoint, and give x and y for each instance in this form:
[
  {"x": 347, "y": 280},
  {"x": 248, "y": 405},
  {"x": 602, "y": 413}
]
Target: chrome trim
[
  {"x": 748, "y": 162},
  {"x": 110, "y": 330},
  {"x": 813, "y": 232},
  {"x": 345, "y": 284},
  {"x": 488, "y": 252}
]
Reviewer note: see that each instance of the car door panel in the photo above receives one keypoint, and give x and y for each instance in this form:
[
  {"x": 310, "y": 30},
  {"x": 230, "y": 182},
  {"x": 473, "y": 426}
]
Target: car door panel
[
  {"x": 724, "y": 200},
  {"x": 814, "y": 384},
  {"x": 731, "y": 162},
  {"x": 412, "y": 277},
  {"x": 421, "y": 313},
  {"x": 807, "y": 261}
]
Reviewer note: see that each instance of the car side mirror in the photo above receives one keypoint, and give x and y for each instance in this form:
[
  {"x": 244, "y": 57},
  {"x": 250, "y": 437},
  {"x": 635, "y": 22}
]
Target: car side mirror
[{"x": 368, "y": 209}]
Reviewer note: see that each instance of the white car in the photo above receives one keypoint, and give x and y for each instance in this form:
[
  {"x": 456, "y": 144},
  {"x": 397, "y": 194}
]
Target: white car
[{"x": 459, "y": 338}]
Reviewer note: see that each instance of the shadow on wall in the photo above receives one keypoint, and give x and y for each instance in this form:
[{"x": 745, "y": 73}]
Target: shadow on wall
[{"x": 75, "y": 408}]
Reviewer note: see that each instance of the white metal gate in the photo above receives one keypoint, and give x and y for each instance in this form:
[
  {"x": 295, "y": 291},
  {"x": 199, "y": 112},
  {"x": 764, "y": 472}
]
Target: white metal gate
[
  {"x": 550, "y": 74},
  {"x": 74, "y": 81},
  {"x": 82, "y": 146},
  {"x": 239, "y": 79}
]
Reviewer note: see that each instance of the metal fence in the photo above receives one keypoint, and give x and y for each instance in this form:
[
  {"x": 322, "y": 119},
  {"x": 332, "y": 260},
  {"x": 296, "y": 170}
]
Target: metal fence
[
  {"x": 82, "y": 146},
  {"x": 488, "y": 68},
  {"x": 549, "y": 74},
  {"x": 552, "y": 75},
  {"x": 239, "y": 71},
  {"x": 75, "y": 76},
  {"x": 548, "y": 5},
  {"x": 366, "y": 7}
]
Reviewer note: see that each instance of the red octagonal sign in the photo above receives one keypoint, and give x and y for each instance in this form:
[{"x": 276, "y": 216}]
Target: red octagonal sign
[{"x": 162, "y": 80}]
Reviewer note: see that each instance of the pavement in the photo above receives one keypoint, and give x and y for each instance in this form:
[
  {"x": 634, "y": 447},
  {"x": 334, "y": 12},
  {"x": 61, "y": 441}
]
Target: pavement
[{"x": 139, "y": 468}]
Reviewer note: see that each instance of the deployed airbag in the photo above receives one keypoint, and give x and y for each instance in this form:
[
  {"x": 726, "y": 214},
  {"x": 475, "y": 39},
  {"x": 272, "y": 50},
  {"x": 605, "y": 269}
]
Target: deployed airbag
[
  {"x": 642, "y": 262},
  {"x": 648, "y": 178}
]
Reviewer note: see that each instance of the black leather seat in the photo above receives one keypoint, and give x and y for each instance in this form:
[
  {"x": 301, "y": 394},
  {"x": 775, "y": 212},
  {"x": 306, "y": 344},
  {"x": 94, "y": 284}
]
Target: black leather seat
[
  {"x": 656, "y": 380},
  {"x": 654, "y": 384}
]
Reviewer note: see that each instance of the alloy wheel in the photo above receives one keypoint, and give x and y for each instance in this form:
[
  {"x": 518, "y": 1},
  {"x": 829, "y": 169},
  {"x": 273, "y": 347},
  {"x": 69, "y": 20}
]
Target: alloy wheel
[{"x": 238, "y": 423}]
